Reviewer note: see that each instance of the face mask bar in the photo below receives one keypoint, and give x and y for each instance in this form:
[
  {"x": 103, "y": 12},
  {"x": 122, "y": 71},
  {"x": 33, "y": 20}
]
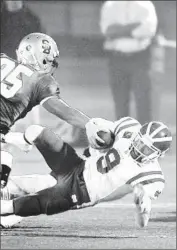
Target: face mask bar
[{"x": 143, "y": 149}]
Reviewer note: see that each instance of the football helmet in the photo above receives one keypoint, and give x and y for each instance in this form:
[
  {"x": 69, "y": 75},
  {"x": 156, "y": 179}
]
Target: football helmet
[
  {"x": 152, "y": 141},
  {"x": 39, "y": 51}
]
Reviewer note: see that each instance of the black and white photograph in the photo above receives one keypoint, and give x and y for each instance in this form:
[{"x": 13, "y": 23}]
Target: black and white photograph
[{"x": 88, "y": 125}]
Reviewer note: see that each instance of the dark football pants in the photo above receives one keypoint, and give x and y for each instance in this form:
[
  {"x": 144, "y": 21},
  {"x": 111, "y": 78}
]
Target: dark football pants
[{"x": 67, "y": 168}]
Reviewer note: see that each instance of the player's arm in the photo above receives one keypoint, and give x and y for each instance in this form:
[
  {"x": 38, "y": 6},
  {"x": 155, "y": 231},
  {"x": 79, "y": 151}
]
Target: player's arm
[
  {"x": 116, "y": 31},
  {"x": 143, "y": 196},
  {"x": 48, "y": 95},
  {"x": 61, "y": 109},
  {"x": 118, "y": 193}
]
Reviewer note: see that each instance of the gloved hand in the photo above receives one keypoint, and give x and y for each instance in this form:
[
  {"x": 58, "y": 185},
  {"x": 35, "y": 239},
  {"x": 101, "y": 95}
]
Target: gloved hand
[{"x": 93, "y": 126}]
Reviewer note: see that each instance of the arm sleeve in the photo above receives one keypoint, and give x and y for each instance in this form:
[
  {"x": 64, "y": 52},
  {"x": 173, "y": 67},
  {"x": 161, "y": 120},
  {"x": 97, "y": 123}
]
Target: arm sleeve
[
  {"x": 46, "y": 88},
  {"x": 153, "y": 190}
]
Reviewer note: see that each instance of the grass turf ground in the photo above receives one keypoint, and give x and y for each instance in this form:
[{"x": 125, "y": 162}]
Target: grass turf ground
[{"x": 94, "y": 228}]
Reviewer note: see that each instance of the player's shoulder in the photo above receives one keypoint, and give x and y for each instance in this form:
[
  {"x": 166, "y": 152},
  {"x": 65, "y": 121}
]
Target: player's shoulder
[
  {"x": 147, "y": 173},
  {"x": 5, "y": 56},
  {"x": 9, "y": 61},
  {"x": 153, "y": 165},
  {"x": 46, "y": 81},
  {"x": 126, "y": 126},
  {"x": 46, "y": 86}
]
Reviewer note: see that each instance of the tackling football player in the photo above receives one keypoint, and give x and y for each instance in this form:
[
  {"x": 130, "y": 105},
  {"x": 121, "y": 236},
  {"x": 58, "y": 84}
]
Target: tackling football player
[
  {"x": 28, "y": 82},
  {"x": 129, "y": 164}
]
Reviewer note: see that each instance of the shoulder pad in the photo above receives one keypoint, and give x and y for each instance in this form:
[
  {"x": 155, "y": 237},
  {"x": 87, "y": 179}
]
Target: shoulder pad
[{"x": 126, "y": 127}]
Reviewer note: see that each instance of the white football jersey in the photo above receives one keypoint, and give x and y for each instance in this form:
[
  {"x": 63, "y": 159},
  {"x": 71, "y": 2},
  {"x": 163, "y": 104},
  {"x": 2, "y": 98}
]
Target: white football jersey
[{"x": 112, "y": 174}]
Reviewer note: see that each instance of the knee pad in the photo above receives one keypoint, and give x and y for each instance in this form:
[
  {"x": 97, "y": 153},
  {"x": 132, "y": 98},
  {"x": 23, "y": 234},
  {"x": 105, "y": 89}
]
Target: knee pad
[{"x": 32, "y": 132}]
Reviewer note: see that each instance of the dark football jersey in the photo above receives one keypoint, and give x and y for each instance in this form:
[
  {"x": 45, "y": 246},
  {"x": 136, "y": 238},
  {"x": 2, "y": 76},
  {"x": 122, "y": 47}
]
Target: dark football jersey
[{"x": 22, "y": 88}]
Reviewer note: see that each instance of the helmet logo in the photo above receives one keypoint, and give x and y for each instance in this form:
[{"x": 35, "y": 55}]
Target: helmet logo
[{"x": 46, "y": 47}]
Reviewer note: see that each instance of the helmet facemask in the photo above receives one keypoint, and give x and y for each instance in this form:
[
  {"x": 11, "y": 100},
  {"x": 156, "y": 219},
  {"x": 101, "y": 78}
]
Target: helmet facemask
[{"x": 142, "y": 149}]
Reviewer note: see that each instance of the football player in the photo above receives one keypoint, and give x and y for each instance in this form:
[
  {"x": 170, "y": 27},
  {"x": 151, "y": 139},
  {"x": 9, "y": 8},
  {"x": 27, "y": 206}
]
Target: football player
[
  {"x": 128, "y": 165},
  {"x": 28, "y": 82}
]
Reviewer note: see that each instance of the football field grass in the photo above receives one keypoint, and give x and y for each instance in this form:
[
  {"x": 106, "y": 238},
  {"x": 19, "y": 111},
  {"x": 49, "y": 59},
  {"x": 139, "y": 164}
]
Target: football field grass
[{"x": 94, "y": 228}]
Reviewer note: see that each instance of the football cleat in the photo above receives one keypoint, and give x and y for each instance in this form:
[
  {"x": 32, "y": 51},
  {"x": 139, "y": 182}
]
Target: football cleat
[{"x": 143, "y": 205}]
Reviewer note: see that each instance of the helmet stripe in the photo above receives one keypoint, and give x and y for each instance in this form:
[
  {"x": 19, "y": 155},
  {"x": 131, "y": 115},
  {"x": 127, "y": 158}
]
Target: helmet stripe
[
  {"x": 162, "y": 139},
  {"x": 148, "y": 128},
  {"x": 155, "y": 132}
]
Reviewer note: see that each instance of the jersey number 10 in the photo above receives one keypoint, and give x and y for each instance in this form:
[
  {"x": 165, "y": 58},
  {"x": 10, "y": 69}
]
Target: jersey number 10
[{"x": 10, "y": 80}]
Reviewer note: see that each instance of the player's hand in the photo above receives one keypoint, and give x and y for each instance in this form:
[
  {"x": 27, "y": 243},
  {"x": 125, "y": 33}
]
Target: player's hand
[
  {"x": 143, "y": 205},
  {"x": 92, "y": 127},
  {"x": 17, "y": 139}
]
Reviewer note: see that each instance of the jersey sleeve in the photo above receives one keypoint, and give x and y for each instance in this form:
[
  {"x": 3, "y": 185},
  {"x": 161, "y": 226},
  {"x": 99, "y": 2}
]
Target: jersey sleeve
[
  {"x": 152, "y": 179},
  {"x": 126, "y": 127},
  {"x": 46, "y": 88},
  {"x": 153, "y": 190}
]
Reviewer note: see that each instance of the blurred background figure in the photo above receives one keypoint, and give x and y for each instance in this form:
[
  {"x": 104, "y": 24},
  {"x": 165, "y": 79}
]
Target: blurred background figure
[
  {"x": 129, "y": 28},
  {"x": 17, "y": 21}
]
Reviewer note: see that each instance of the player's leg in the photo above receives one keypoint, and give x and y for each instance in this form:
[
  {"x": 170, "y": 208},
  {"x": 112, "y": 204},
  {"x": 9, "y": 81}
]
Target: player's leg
[
  {"x": 49, "y": 201},
  {"x": 6, "y": 140},
  {"x": 59, "y": 156},
  {"x": 143, "y": 205},
  {"x": 26, "y": 184},
  {"x": 19, "y": 186}
]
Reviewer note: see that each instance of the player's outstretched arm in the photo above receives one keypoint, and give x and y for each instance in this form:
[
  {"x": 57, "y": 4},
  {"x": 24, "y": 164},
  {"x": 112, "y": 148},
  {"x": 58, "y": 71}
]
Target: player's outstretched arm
[{"x": 61, "y": 109}]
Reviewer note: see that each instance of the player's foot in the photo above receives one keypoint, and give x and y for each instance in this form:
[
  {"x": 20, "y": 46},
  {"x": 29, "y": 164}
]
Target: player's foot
[
  {"x": 143, "y": 205},
  {"x": 10, "y": 221}
]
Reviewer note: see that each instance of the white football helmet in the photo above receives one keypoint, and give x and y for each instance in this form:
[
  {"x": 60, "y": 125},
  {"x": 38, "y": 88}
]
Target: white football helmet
[
  {"x": 152, "y": 141},
  {"x": 39, "y": 51}
]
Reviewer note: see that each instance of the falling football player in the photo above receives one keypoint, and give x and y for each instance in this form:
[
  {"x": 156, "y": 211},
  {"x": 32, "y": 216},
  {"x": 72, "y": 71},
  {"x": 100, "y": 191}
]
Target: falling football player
[{"x": 127, "y": 163}]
